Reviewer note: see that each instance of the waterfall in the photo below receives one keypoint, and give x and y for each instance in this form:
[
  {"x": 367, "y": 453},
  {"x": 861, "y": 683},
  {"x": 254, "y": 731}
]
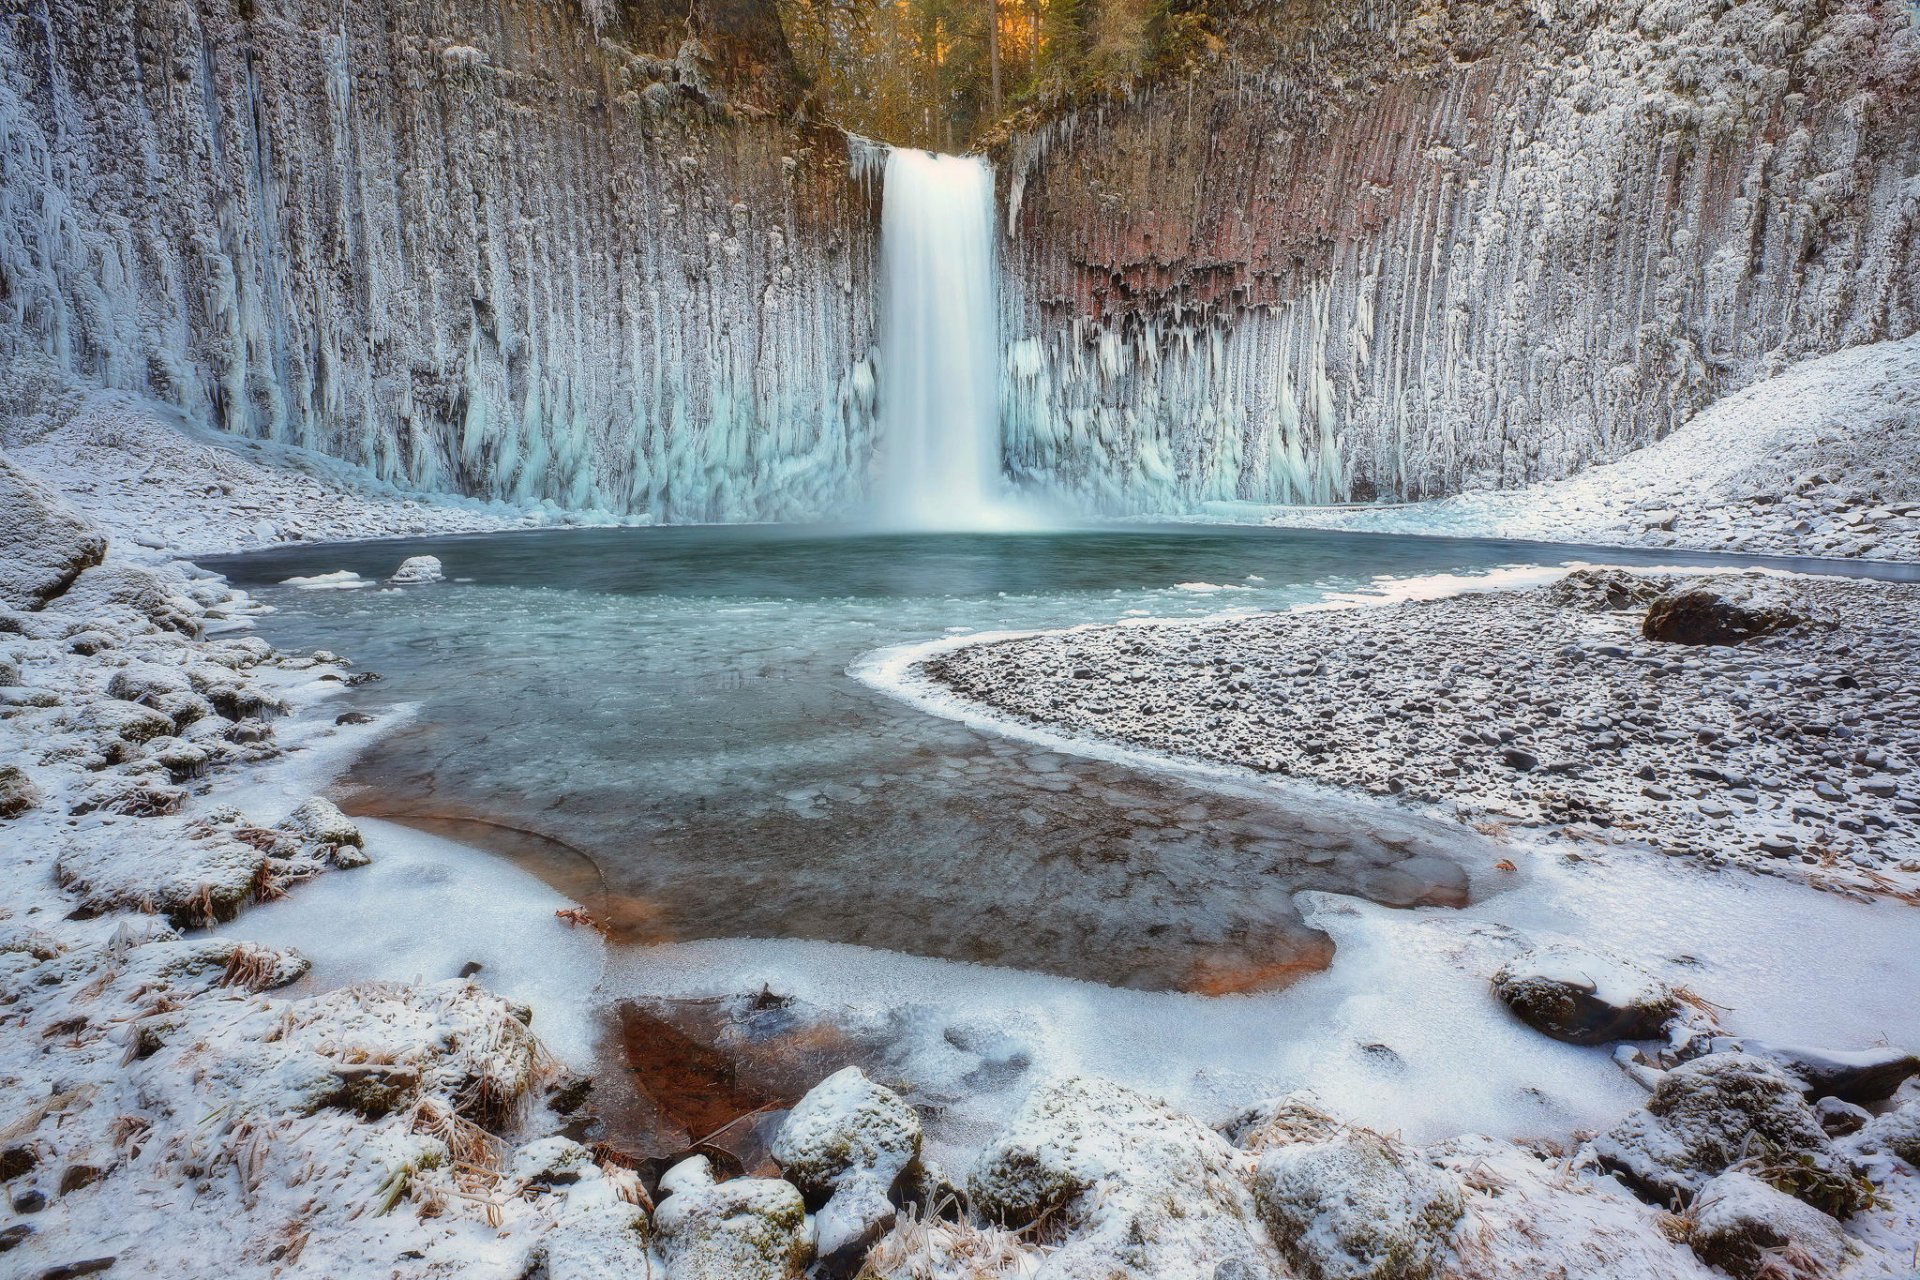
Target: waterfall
[{"x": 940, "y": 461}]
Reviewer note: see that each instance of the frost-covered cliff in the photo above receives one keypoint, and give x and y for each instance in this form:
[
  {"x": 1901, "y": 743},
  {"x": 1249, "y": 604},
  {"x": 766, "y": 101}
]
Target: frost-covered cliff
[
  {"x": 1404, "y": 247},
  {"x": 514, "y": 248}
]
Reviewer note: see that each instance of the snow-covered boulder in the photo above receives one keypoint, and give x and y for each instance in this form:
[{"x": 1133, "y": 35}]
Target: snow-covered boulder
[
  {"x": 1851, "y": 1075},
  {"x": 551, "y": 1162},
  {"x": 845, "y": 1145},
  {"x": 1604, "y": 590},
  {"x": 604, "y": 1243},
  {"x": 147, "y": 682},
  {"x": 1138, "y": 1189},
  {"x": 1584, "y": 997},
  {"x": 131, "y": 597},
  {"x": 1750, "y": 1230},
  {"x": 1716, "y": 1111},
  {"x": 417, "y": 570},
  {"x": 192, "y": 880},
  {"x": 745, "y": 1229},
  {"x": 1897, "y": 1132},
  {"x": 43, "y": 545},
  {"x": 318, "y": 820},
  {"x": 17, "y": 792},
  {"x": 1357, "y": 1207},
  {"x": 846, "y": 1125}
]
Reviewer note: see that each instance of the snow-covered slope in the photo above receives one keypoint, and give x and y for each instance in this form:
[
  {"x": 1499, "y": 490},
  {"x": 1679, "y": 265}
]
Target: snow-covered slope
[{"x": 1822, "y": 460}]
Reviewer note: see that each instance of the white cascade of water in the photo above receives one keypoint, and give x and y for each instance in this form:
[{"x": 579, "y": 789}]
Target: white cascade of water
[{"x": 940, "y": 463}]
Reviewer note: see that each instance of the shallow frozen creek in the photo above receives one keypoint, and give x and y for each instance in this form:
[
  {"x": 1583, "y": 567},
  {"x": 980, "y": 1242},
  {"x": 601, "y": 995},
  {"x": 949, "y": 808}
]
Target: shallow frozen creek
[{"x": 661, "y": 725}]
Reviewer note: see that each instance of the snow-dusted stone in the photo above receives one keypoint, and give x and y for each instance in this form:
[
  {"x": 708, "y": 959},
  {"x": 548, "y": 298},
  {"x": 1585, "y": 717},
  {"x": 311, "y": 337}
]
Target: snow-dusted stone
[
  {"x": 1139, "y": 1189},
  {"x": 1720, "y": 614},
  {"x": 1357, "y": 1207},
  {"x": 1750, "y": 1230},
  {"x": 17, "y": 792},
  {"x": 1713, "y": 1112},
  {"x": 1604, "y": 590},
  {"x": 193, "y": 881},
  {"x": 130, "y": 596},
  {"x": 43, "y": 545},
  {"x": 415, "y": 570},
  {"x": 194, "y": 965},
  {"x": 1584, "y": 997},
  {"x": 551, "y": 1162},
  {"x": 319, "y": 820},
  {"x": 147, "y": 682},
  {"x": 127, "y": 720},
  {"x": 746, "y": 1229},
  {"x": 1897, "y": 1131},
  {"x": 846, "y": 1125},
  {"x": 1851, "y": 1075},
  {"x": 9, "y": 672},
  {"x": 604, "y": 1243}
]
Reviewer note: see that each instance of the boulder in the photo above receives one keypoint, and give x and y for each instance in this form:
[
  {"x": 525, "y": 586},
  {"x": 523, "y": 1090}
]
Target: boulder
[
  {"x": 1139, "y": 1189},
  {"x": 416, "y": 570},
  {"x": 1851, "y": 1075},
  {"x": 1752, "y": 1231},
  {"x": 746, "y": 1229},
  {"x": 1357, "y": 1207},
  {"x": 193, "y": 881},
  {"x": 1897, "y": 1132},
  {"x": 17, "y": 792},
  {"x": 1583, "y": 996},
  {"x": 133, "y": 597},
  {"x": 551, "y": 1162},
  {"x": 1719, "y": 613},
  {"x": 845, "y": 1145},
  {"x": 43, "y": 545},
  {"x": 598, "y": 1244},
  {"x": 1725, "y": 1108},
  {"x": 320, "y": 821},
  {"x": 147, "y": 682},
  {"x": 1604, "y": 590},
  {"x": 846, "y": 1125}
]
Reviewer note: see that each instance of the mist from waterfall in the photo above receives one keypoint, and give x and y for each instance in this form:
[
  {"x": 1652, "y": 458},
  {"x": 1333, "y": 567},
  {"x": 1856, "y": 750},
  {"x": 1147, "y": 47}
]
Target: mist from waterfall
[{"x": 940, "y": 464}]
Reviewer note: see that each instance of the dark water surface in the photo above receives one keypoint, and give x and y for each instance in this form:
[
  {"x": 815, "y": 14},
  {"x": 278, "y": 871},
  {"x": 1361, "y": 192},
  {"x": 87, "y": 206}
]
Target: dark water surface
[{"x": 660, "y": 720}]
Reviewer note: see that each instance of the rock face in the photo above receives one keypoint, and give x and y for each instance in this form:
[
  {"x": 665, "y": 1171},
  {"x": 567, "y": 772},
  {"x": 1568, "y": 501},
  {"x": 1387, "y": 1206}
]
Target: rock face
[
  {"x": 1357, "y": 1207},
  {"x": 1713, "y": 1112},
  {"x": 518, "y": 248},
  {"x": 1714, "y": 615},
  {"x": 1144, "y": 1191},
  {"x": 43, "y": 546},
  {"x": 1585, "y": 997},
  {"x": 1400, "y": 247},
  {"x": 1748, "y": 1229}
]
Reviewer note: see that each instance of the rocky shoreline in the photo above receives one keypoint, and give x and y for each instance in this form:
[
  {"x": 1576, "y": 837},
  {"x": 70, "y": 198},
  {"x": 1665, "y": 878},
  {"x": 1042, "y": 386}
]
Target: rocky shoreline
[{"x": 1789, "y": 752}]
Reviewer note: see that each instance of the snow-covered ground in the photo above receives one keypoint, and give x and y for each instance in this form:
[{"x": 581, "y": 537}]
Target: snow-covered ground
[
  {"x": 1823, "y": 460},
  {"x": 154, "y": 481}
]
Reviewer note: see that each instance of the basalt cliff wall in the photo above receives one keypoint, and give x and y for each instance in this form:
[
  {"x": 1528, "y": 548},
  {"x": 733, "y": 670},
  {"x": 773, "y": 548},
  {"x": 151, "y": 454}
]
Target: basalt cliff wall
[
  {"x": 514, "y": 248},
  {"x": 1401, "y": 247},
  {"x": 590, "y": 251}
]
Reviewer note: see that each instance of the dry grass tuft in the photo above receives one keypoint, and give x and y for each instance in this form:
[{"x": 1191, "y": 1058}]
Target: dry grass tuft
[{"x": 932, "y": 1248}]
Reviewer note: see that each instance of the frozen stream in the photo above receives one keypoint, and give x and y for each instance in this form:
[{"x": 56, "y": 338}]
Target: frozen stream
[{"x": 661, "y": 724}]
